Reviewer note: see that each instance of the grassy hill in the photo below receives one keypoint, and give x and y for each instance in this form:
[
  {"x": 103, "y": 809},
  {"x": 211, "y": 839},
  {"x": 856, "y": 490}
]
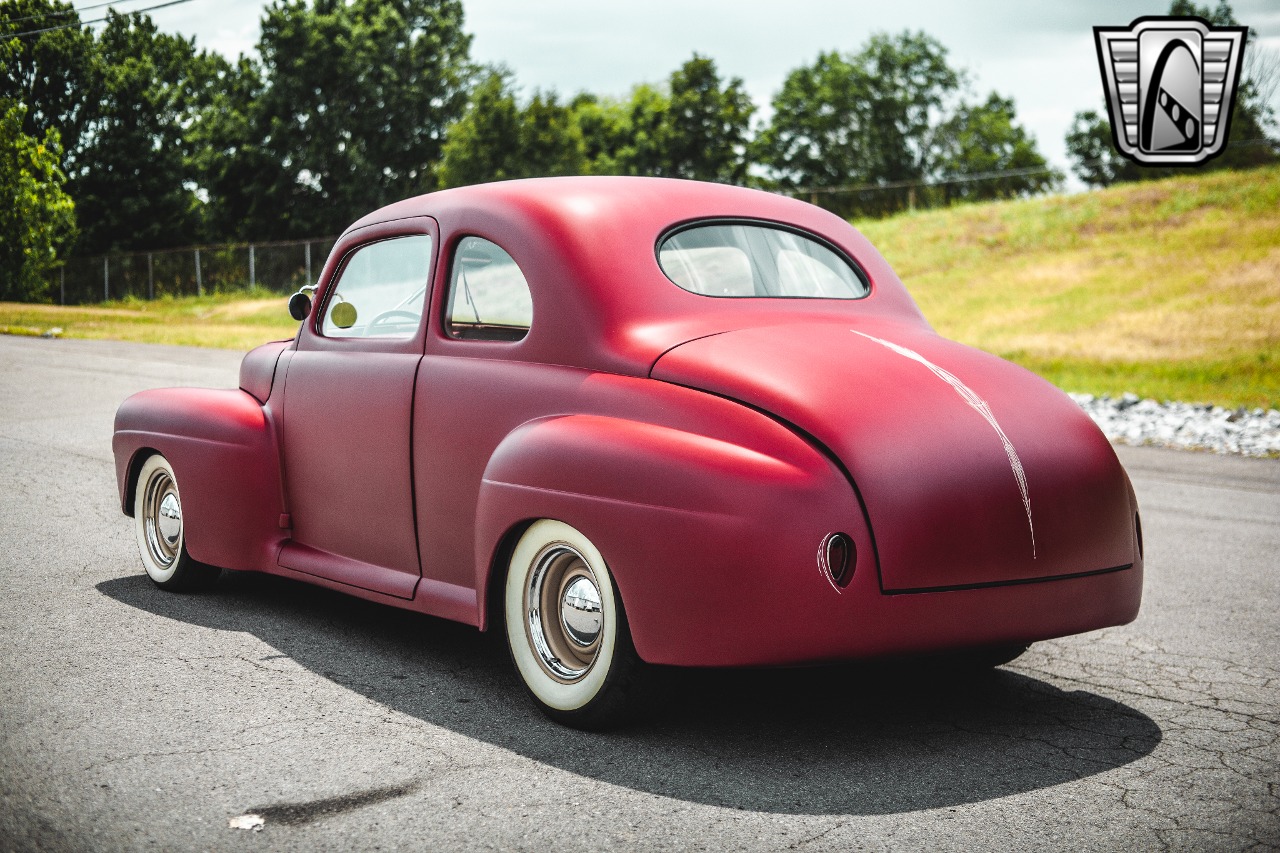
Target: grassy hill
[
  {"x": 226, "y": 320},
  {"x": 1170, "y": 289}
]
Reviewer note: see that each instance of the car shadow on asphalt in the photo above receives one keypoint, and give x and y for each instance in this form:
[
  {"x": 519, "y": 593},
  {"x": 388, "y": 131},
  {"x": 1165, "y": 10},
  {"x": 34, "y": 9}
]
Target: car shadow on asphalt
[{"x": 828, "y": 740}]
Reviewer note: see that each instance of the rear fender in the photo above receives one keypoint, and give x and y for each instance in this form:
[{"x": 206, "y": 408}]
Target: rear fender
[
  {"x": 222, "y": 447},
  {"x": 707, "y": 540}
]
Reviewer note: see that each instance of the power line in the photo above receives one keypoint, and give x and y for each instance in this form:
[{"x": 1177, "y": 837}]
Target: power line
[
  {"x": 976, "y": 176},
  {"x": 100, "y": 5},
  {"x": 94, "y": 21},
  {"x": 902, "y": 185},
  {"x": 62, "y": 13}
]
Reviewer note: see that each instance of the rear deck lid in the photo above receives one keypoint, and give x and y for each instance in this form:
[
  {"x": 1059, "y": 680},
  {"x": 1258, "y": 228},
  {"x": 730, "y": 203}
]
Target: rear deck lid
[{"x": 973, "y": 470}]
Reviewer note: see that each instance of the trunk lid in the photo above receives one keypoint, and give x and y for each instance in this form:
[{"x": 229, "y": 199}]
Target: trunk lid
[{"x": 972, "y": 470}]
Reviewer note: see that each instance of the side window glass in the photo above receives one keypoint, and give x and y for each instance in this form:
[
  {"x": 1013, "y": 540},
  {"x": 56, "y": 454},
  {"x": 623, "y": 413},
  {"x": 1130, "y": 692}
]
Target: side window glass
[
  {"x": 381, "y": 290},
  {"x": 489, "y": 297}
]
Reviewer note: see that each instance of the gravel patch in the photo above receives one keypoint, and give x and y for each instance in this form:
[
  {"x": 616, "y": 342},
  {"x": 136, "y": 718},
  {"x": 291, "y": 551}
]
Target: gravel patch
[{"x": 1194, "y": 426}]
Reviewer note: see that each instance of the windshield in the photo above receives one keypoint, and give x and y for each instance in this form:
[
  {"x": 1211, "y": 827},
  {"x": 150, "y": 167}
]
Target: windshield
[{"x": 743, "y": 260}]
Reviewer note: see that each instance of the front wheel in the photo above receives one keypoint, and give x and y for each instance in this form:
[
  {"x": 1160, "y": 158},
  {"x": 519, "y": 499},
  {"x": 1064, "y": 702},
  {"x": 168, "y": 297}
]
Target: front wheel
[
  {"x": 158, "y": 525},
  {"x": 566, "y": 628}
]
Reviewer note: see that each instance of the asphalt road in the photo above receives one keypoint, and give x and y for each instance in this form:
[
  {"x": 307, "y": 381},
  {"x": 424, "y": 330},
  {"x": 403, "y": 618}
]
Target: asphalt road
[{"x": 131, "y": 718}]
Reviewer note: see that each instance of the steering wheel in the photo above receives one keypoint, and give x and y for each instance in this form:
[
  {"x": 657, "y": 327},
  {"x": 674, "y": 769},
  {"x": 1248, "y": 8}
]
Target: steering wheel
[{"x": 411, "y": 316}]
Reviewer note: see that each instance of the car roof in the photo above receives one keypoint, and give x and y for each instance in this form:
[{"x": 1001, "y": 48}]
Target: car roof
[{"x": 587, "y": 245}]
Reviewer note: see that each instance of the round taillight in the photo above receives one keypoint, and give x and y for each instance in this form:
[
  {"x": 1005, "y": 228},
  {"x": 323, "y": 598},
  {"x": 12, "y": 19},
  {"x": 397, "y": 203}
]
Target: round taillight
[{"x": 836, "y": 556}]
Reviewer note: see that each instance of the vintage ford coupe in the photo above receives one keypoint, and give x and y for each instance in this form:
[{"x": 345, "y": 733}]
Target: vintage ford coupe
[{"x": 636, "y": 420}]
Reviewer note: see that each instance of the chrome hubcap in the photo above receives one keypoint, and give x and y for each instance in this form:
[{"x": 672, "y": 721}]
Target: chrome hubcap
[
  {"x": 564, "y": 613},
  {"x": 162, "y": 518},
  {"x": 580, "y": 612},
  {"x": 170, "y": 519}
]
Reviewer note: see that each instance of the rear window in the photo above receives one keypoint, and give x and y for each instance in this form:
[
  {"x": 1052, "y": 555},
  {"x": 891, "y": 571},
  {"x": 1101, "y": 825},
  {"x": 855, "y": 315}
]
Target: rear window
[{"x": 730, "y": 259}]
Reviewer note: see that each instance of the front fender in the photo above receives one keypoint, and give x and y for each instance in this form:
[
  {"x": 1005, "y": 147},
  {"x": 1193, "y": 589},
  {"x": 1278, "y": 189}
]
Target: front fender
[
  {"x": 712, "y": 544},
  {"x": 222, "y": 447}
]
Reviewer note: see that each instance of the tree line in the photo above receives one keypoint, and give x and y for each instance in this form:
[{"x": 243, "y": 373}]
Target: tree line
[{"x": 135, "y": 139}]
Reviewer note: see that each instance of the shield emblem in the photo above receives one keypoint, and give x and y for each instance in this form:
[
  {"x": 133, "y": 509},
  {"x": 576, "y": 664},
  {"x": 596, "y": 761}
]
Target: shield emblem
[{"x": 1170, "y": 86}]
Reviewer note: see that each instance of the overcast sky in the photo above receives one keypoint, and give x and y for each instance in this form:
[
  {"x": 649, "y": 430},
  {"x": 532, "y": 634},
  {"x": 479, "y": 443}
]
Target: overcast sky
[{"x": 1041, "y": 54}]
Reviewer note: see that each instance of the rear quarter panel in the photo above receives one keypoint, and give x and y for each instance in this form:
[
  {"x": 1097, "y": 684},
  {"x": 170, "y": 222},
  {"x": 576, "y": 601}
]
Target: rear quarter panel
[{"x": 708, "y": 513}]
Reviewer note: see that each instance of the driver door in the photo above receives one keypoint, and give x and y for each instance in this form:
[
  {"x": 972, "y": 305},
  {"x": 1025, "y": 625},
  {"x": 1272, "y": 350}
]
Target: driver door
[{"x": 347, "y": 414}]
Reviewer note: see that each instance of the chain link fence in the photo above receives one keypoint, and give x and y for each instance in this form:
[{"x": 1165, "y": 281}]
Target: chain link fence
[{"x": 279, "y": 267}]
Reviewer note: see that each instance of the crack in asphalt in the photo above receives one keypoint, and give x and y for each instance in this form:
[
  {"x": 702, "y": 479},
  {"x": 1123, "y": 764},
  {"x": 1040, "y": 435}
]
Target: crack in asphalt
[
  {"x": 1216, "y": 727},
  {"x": 209, "y": 750},
  {"x": 1199, "y": 704},
  {"x": 805, "y": 841}
]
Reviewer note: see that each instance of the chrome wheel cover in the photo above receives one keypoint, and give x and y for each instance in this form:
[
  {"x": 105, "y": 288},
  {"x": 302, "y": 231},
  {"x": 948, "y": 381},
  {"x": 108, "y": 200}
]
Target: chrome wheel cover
[
  {"x": 162, "y": 519},
  {"x": 563, "y": 612}
]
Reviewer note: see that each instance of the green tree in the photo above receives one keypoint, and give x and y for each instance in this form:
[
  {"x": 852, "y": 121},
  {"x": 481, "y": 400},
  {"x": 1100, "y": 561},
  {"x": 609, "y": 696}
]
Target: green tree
[
  {"x": 1093, "y": 154},
  {"x": 605, "y": 125},
  {"x": 696, "y": 126},
  {"x": 696, "y": 129},
  {"x": 52, "y": 73},
  {"x": 356, "y": 96},
  {"x": 817, "y": 134},
  {"x": 496, "y": 139},
  {"x": 643, "y": 151},
  {"x": 861, "y": 119},
  {"x": 481, "y": 146},
  {"x": 550, "y": 140},
  {"x": 232, "y": 167},
  {"x": 39, "y": 218},
  {"x": 908, "y": 83},
  {"x": 983, "y": 139},
  {"x": 132, "y": 180},
  {"x": 706, "y": 125},
  {"x": 124, "y": 104}
]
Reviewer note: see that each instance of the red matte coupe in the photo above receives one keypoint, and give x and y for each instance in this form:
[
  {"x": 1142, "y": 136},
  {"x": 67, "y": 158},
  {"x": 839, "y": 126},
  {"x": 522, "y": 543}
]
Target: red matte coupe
[{"x": 639, "y": 421}]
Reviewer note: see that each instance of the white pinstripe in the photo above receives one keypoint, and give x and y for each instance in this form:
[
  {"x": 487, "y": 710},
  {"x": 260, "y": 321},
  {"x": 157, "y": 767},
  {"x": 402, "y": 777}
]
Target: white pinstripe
[{"x": 980, "y": 406}]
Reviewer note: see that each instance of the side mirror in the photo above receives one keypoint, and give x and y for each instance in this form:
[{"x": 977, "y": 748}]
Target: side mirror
[{"x": 300, "y": 303}]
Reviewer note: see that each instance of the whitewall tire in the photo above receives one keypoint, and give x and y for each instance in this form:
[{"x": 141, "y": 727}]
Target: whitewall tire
[
  {"x": 159, "y": 528},
  {"x": 566, "y": 628}
]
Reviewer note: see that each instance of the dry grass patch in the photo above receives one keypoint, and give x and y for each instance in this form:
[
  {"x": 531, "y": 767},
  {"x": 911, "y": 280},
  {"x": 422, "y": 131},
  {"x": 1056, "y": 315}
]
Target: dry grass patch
[
  {"x": 223, "y": 321},
  {"x": 1170, "y": 286}
]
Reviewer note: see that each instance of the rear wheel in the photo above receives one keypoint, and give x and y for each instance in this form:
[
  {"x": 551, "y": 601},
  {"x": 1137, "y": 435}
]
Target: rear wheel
[
  {"x": 158, "y": 525},
  {"x": 566, "y": 628}
]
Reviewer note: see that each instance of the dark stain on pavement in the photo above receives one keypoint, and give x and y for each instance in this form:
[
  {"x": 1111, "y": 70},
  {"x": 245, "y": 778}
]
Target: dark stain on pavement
[{"x": 297, "y": 814}]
